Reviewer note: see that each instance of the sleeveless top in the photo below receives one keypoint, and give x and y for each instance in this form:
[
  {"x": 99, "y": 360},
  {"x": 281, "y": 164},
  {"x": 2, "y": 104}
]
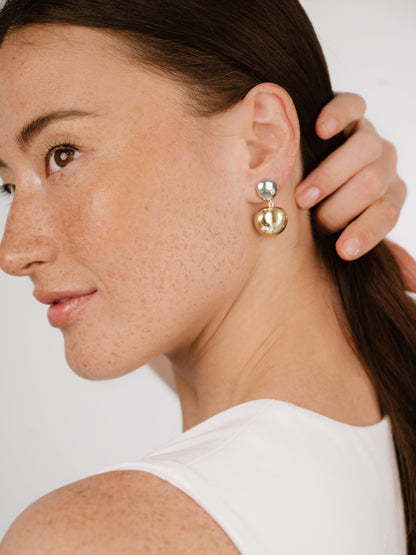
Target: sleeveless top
[{"x": 280, "y": 479}]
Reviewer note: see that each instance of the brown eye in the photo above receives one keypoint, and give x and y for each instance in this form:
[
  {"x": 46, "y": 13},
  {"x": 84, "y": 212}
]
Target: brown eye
[
  {"x": 63, "y": 156},
  {"x": 59, "y": 157}
]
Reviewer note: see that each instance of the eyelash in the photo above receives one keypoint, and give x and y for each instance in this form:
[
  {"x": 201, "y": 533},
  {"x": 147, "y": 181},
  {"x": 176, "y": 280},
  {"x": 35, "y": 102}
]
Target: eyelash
[
  {"x": 55, "y": 147},
  {"x": 7, "y": 190}
]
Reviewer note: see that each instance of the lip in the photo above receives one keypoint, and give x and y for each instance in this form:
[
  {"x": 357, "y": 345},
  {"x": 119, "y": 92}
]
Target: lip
[
  {"x": 63, "y": 314},
  {"x": 50, "y": 297}
]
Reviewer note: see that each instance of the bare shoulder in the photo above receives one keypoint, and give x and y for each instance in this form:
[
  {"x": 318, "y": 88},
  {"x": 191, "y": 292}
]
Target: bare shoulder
[{"x": 127, "y": 512}]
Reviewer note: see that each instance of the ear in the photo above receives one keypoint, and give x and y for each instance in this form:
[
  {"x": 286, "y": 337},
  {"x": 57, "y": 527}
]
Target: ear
[{"x": 272, "y": 133}]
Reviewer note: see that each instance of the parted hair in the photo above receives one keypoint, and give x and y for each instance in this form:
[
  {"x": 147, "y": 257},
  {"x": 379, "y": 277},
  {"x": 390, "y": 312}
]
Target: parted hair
[{"x": 219, "y": 50}]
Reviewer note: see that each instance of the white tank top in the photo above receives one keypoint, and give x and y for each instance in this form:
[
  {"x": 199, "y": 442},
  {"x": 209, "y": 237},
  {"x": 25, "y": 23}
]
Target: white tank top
[{"x": 280, "y": 479}]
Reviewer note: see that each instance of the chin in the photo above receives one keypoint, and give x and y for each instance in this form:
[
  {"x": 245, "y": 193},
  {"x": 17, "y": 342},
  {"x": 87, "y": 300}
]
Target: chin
[{"x": 107, "y": 366}]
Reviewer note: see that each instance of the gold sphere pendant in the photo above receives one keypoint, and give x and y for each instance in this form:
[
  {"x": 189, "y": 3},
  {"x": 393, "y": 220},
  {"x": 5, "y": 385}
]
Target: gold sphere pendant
[{"x": 270, "y": 221}]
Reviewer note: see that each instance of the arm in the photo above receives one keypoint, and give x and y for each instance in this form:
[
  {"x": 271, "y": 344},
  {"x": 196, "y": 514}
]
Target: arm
[{"x": 124, "y": 512}]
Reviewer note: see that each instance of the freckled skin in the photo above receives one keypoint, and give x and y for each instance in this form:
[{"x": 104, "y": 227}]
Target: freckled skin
[
  {"x": 139, "y": 215},
  {"x": 155, "y": 213}
]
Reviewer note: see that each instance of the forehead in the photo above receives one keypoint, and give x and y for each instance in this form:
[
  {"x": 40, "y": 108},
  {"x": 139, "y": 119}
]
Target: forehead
[
  {"x": 54, "y": 59},
  {"x": 53, "y": 67}
]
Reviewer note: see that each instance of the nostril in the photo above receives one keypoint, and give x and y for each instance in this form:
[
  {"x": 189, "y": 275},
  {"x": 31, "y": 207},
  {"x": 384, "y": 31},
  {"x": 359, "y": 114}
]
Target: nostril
[
  {"x": 23, "y": 257},
  {"x": 14, "y": 264}
]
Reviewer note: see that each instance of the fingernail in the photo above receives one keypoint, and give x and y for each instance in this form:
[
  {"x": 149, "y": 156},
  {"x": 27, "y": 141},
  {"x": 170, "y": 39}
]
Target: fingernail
[
  {"x": 309, "y": 197},
  {"x": 351, "y": 248},
  {"x": 329, "y": 126}
]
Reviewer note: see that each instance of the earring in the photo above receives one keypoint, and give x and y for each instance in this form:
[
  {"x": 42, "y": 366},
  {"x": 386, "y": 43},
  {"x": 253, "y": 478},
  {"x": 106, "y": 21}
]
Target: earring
[{"x": 270, "y": 221}]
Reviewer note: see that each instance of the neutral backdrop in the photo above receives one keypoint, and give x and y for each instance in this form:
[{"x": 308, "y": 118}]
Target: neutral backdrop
[{"x": 56, "y": 427}]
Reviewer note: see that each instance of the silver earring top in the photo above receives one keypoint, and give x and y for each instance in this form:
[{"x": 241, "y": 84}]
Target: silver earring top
[{"x": 266, "y": 189}]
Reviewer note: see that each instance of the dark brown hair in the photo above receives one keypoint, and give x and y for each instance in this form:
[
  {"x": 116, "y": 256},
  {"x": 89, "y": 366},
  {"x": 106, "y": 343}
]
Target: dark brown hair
[{"x": 221, "y": 50}]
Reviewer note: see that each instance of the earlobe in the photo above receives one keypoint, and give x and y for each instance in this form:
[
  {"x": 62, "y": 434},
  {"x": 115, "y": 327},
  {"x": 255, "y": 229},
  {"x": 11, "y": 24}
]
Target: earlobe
[{"x": 274, "y": 137}]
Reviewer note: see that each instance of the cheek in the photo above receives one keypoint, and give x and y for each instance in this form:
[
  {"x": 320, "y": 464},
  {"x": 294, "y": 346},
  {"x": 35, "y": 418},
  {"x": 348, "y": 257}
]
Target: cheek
[
  {"x": 162, "y": 243},
  {"x": 161, "y": 212}
]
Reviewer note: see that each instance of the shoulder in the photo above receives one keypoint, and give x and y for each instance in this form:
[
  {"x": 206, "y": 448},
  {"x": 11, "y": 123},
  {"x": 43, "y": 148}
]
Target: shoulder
[{"x": 116, "y": 512}]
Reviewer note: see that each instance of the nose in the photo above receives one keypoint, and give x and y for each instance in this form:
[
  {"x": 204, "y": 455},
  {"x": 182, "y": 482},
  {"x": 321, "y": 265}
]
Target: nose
[{"x": 28, "y": 241}]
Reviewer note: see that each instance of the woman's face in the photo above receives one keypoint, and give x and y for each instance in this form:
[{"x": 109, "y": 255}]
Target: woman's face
[{"x": 123, "y": 200}]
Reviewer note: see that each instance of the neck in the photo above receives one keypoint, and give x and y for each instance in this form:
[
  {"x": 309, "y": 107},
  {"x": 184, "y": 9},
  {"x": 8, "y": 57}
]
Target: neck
[{"x": 275, "y": 341}]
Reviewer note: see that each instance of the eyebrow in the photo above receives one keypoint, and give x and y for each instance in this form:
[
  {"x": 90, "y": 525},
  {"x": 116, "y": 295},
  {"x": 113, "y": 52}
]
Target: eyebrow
[{"x": 32, "y": 129}]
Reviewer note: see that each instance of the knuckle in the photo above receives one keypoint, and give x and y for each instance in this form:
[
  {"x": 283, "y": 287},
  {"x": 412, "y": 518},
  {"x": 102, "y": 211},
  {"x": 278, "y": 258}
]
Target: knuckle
[
  {"x": 366, "y": 124},
  {"x": 362, "y": 104},
  {"x": 371, "y": 233},
  {"x": 322, "y": 177},
  {"x": 326, "y": 220},
  {"x": 371, "y": 143},
  {"x": 391, "y": 151},
  {"x": 372, "y": 183},
  {"x": 390, "y": 211},
  {"x": 401, "y": 190},
  {"x": 397, "y": 193}
]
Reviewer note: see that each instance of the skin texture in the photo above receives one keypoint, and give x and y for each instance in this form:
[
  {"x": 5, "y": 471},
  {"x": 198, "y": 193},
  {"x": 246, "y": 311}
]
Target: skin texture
[
  {"x": 126, "y": 512},
  {"x": 134, "y": 181},
  {"x": 358, "y": 183},
  {"x": 154, "y": 213},
  {"x": 375, "y": 185}
]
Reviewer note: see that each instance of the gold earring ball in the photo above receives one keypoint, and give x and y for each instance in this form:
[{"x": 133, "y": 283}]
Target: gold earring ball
[{"x": 270, "y": 221}]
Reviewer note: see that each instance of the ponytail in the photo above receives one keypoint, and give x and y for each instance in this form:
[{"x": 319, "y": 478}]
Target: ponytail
[{"x": 222, "y": 50}]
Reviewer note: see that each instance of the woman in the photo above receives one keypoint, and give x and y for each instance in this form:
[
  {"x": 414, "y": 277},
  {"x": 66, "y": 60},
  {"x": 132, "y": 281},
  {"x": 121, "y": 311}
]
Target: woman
[{"x": 277, "y": 338}]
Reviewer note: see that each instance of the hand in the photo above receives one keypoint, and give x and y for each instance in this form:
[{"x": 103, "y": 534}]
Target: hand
[{"x": 358, "y": 181}]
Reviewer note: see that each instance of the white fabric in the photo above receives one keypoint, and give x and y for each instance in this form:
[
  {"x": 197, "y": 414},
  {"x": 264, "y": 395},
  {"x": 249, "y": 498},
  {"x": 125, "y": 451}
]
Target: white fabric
[{"x": 283, "y": 480}]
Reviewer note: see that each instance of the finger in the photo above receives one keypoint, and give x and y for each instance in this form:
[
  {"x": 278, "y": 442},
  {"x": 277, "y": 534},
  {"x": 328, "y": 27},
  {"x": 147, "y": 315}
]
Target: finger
[
  {"x": 341, "y": 111},
  {"x": 369, "y": 228},
  {"x": 360, "y": 192},
  {"x": 407, "y": 265},
  {"x": 363, "y": 148},
  {"x": 365, "y": 124}
]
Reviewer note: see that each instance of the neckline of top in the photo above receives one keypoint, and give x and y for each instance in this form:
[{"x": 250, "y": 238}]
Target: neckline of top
[{"x": 317, "y": 415}]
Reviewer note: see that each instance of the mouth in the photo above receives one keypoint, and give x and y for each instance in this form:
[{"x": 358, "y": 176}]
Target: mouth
[
  {"x": 61, "y": 301},
  {"x": 61, "y": 297},
  {"x": 65, "y": 308}
]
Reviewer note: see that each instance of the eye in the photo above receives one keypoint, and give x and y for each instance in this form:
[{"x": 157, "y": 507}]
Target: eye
[
  {"x": 7, "y": 190},
  {"x": 59, "y": 157}
]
